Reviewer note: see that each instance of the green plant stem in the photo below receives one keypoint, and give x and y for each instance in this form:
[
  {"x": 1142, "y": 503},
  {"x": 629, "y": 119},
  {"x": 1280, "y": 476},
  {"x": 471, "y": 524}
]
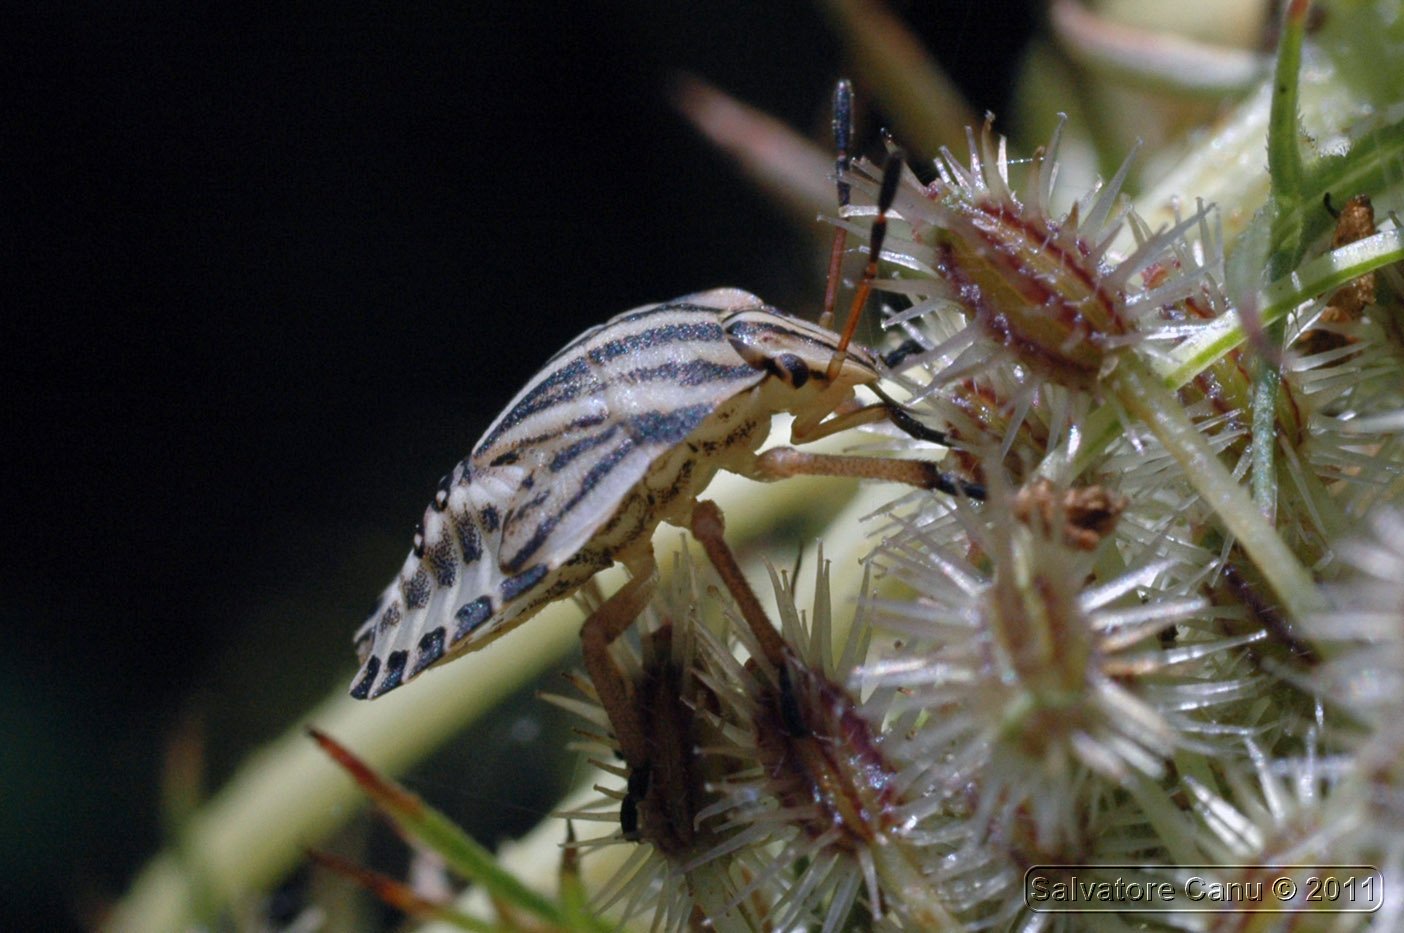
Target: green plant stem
[
  {"x": 1285, "y": 187},
  {"x": 1313, "y": 278},
  {"x": 1147, "y": 398},
  {"x": 1285, "y": 171},
  {"x": 1100, "y": 428}
]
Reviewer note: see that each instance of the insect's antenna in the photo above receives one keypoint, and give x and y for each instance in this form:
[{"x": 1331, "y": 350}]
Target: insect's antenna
[
  {"x": 891, "y": 174},
  {"x": 843, "y": 133}
]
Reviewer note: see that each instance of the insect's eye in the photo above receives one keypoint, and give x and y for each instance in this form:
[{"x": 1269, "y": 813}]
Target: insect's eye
[
  {"x": 418, "y": 540},
  {"x": 441, "y": 495},
  {"x": 792, "y": 369}
]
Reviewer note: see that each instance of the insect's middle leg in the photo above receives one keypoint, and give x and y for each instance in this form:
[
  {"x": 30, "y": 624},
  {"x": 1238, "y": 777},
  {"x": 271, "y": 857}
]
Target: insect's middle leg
[
  {"x": 783, "y": 462},
  {"x": 600, "y": 630}
]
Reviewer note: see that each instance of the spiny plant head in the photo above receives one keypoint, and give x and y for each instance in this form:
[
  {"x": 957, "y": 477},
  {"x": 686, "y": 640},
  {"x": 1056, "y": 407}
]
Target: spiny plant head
[
  {"x": 660, "y": 809},
  {"x": 1048, "y": 294},
  {"x": 1033, "y": 679},
  {"x": 798, "y": 819}
]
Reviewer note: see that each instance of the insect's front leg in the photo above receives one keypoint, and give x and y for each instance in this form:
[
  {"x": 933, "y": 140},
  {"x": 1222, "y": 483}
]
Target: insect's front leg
[
  {"x": 851, "y": 413},
  {"x": 600, "y": 630},
  {"x": 782, "y": 462}
]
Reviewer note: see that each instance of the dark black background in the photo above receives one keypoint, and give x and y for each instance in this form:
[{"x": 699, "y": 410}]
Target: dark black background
[{"x": 270, "y": 273}]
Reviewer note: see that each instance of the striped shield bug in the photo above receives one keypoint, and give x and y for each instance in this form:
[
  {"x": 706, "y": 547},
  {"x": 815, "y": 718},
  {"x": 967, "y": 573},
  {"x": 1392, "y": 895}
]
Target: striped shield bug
[{"x": 620, "y": 431}]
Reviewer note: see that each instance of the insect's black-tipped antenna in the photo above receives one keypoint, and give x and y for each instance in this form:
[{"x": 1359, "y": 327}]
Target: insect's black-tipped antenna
[
  {"x": 891, "y": 175},
  {"x": 843, "y": 135}
]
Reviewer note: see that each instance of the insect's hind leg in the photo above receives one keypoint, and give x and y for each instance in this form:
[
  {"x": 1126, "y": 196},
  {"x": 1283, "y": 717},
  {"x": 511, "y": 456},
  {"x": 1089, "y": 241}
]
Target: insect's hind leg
[
  {"x": 782, "y": 462},
  {"x": 600, "y": 630},
  {"x": 709, "y": 530}
]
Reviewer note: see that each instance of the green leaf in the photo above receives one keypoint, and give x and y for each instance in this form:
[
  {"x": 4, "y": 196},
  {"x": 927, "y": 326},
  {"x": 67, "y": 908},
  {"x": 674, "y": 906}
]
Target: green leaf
[{"x": 435, "y": 831}]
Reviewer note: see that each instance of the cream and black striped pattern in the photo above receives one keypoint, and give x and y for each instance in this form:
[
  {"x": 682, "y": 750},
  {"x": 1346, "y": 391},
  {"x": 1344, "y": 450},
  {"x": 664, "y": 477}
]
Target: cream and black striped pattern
[{"x": 556, "y": 487}]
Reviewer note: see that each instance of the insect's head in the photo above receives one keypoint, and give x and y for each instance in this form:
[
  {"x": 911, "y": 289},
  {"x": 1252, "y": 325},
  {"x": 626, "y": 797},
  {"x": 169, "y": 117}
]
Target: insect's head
[{"x": 796, "y": 351}]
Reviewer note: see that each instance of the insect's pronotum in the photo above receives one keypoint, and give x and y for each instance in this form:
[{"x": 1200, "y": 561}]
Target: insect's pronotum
[{"x": 621, "y": 430}]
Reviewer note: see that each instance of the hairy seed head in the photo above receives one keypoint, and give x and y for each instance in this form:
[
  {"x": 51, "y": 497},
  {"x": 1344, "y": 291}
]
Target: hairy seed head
[{"x": 1034, "y": 674}]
